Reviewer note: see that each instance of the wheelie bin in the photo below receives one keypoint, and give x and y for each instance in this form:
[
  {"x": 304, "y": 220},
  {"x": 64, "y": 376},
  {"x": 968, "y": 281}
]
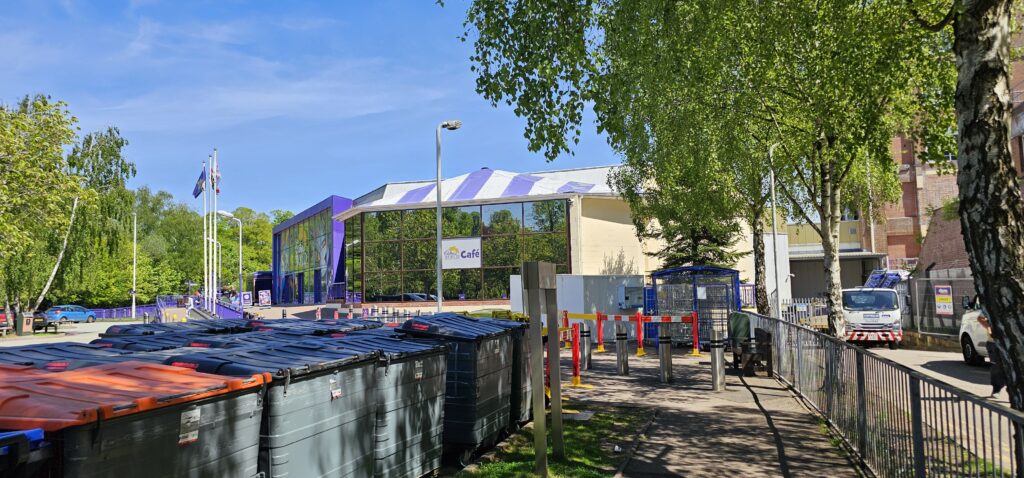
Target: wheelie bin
[
  {"x": 137, "y": 419},
  {"x": 521, "y": 405},
  {"x": 410, "y": 379},
  {"x": 479, "y": 379},
  {"x": 318, "y": 408}
]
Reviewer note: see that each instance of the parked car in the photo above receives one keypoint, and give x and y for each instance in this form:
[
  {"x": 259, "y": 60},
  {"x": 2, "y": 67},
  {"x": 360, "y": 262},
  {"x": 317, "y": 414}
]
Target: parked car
[
  {"x": 973, "y": 334},
  {"x": 873, "y": 316},
  {"x": 69, "y": 313}
]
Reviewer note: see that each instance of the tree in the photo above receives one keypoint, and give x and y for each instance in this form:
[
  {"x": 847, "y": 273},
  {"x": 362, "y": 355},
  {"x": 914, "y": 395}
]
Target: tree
[
  {"x": 102, "y": 204},
  {"x": 836, "y": 81},
  {"x": 36, "y": 188},
  {"x": 991, "y": 206}
]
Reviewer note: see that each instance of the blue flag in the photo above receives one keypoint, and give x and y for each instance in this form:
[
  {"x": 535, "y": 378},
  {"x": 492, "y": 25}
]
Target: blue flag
[{"x": 200, "y": 184}]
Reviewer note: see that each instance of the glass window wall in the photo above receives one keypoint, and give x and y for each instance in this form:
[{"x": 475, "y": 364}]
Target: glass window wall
[{"x": 397, "y": 252}]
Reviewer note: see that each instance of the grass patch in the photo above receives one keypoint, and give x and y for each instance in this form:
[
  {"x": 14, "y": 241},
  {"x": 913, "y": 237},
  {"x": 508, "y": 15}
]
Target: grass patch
[{"x": 589, "y": 446}]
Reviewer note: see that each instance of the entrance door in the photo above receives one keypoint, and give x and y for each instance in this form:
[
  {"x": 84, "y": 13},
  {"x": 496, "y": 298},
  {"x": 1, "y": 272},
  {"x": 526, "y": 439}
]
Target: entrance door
[
  {"x": 300, "y": 287},
  {"x": 316, "y": 286}
]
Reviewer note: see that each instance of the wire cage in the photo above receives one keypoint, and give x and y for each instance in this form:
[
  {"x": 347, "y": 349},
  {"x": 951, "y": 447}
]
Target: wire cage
[{"x": 713, "y": 292}]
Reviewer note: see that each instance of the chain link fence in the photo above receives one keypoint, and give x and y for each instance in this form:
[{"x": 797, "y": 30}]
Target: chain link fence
[{"x": 936, "y": 304}]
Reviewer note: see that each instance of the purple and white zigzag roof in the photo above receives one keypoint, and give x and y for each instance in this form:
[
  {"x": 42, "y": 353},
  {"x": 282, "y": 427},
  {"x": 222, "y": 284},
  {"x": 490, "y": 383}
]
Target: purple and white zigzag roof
[{"x": 488, "y": 185}]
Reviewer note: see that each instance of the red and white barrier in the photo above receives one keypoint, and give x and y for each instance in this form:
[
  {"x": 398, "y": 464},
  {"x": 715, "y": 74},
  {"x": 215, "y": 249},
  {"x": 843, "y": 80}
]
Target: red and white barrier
[{"x": 875, "y": 336}]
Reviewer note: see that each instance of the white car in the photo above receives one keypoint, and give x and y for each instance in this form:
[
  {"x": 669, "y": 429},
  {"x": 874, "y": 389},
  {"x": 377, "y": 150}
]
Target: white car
[
  {"x": 973, "y": 336},
  {"x": 873, "y": 316}
]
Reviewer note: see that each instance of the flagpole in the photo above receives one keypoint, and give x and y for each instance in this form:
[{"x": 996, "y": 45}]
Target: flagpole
[
  {"x": 213, "y": 213},
  {"x": 206, "y": 238}
]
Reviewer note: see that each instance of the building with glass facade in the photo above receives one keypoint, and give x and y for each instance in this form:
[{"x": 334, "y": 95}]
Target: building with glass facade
[
  {"x": 307, "y": 249},
  {"x": 381, "y": 247}
]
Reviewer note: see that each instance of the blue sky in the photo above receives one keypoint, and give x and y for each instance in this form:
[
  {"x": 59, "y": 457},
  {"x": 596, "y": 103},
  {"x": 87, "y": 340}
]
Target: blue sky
[{"x": 302, "y": 99}]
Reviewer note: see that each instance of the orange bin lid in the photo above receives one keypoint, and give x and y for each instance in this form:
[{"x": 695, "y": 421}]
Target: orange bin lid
[{"x": 30, "y": 398}]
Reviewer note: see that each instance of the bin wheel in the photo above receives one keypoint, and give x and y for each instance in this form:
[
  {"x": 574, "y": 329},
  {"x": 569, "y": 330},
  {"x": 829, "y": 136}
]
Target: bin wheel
[{"x": 466, "y": 457}]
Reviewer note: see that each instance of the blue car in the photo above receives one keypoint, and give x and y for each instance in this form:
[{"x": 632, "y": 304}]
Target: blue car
[{"x": 69, "y": 313}]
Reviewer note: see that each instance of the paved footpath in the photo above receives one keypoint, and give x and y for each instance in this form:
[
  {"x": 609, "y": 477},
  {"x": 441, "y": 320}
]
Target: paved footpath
[{"x": 754, "y": 428}]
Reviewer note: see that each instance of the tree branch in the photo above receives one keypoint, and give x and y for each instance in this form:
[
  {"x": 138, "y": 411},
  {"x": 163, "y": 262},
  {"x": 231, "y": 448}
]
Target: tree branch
[{"x": 934, "y": 27}]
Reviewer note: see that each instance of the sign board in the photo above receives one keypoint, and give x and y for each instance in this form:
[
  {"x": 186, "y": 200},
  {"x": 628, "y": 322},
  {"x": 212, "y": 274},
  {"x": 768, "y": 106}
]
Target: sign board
[
  {"x": 702, "y": 293},
  {"x": 943, "y": 300},
  {"x": 247, "y": 297},
  {"x": 264, "y": 297},
  {"x": 462, "y": 253}
]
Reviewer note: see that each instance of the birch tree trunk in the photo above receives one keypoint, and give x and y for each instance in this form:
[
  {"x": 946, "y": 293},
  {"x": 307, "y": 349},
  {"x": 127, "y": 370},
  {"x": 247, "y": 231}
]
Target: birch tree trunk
[
  {"x": 991, "y": 207},
  {"x": 760, "y": 289},
  {"x": 60, "y": 257},
  {"x": 830, "y": 219}
]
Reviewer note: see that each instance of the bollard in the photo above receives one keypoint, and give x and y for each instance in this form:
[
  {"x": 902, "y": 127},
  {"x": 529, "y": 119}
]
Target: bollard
[
  {"x": 665, "y": 352},
  {"x": 350, "y": 311},
  {"x": 566, "y": 334},
  {"x": 284, "y": 313},
  {"x": 696, "y": 335},
  {"x": 145, "y": 317},
  {"x": 600, "y": 332},
  {"x": 318, "y": 313},
  {"x": 585, "y": 345},
  {"x": 575, "y": 331},
  {"x": 621, "y": 354},
  {"x": 717, "y": 361},
  {"x": 336, "y": 314},
  {"x": 640, "y": 335}
]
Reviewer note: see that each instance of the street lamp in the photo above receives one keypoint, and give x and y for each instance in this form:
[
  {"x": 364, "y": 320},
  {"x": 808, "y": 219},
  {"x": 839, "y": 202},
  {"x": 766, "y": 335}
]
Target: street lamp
[
  {"x": 228, "y": 215},
  {"x": 450, "y": 125},
  {"x": 775, "y": 234},
  {"x": 135, "y": 255}
]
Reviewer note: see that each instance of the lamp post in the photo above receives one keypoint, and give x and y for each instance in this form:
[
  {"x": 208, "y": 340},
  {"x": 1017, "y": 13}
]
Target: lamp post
[
  {"x": 228, "y": 215},
  {"x": 775, "y": 234},
  {"x": 450, "y": 125},
  {"x": 135, "y": 255}
]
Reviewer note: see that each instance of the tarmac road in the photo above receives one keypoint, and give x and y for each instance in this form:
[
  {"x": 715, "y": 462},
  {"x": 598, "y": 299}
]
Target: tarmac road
[
  {"x": 81, "y": 332},
  {"x": 948, "y": 367}
]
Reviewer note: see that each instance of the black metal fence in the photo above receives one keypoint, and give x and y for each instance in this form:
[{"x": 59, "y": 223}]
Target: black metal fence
[{"x": 900, "y": 422}]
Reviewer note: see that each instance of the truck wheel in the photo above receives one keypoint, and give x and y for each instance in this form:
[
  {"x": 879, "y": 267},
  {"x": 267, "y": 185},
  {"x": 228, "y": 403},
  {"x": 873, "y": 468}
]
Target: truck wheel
[
  {"x": 894, "y": 345},
  {"x": 970, "y": 354}
]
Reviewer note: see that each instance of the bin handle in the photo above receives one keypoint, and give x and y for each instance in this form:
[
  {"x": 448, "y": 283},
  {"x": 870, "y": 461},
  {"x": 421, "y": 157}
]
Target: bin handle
[{"x": 17, "y": 448}]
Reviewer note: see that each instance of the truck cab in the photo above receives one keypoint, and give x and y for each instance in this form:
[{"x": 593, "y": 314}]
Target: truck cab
[{"x": 873, "y": 316}]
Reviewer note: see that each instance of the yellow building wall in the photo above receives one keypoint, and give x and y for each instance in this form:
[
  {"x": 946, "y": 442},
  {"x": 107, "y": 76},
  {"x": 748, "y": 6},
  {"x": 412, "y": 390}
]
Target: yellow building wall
[
  {"x": 804, "y": 234},
  {"x": 604, "y": 229}
]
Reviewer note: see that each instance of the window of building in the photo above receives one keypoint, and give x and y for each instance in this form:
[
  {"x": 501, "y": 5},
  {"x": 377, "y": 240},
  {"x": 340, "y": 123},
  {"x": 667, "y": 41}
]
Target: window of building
[{"x": 399, "y": 252}]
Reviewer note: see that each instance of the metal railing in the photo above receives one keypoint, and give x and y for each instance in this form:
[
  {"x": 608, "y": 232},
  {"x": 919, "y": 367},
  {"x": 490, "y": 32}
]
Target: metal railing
[
  {"x": 900, "y": 422},
  {"x": 153, "y": 310}
]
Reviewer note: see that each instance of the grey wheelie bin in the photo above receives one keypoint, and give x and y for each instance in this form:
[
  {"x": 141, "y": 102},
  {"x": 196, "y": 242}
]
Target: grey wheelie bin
[
  {"x": 138, "y": 420},
  {"x": 521, "y": 404},
  {"x": 479, "y": 379},
  {"x": 410, "y": 382},
  {"x": 61, "y": 356},
  {"x": 318, "y": 410}
]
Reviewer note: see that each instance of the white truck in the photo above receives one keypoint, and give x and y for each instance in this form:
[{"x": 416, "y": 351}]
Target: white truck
[{"x": 873, "y": 316}]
